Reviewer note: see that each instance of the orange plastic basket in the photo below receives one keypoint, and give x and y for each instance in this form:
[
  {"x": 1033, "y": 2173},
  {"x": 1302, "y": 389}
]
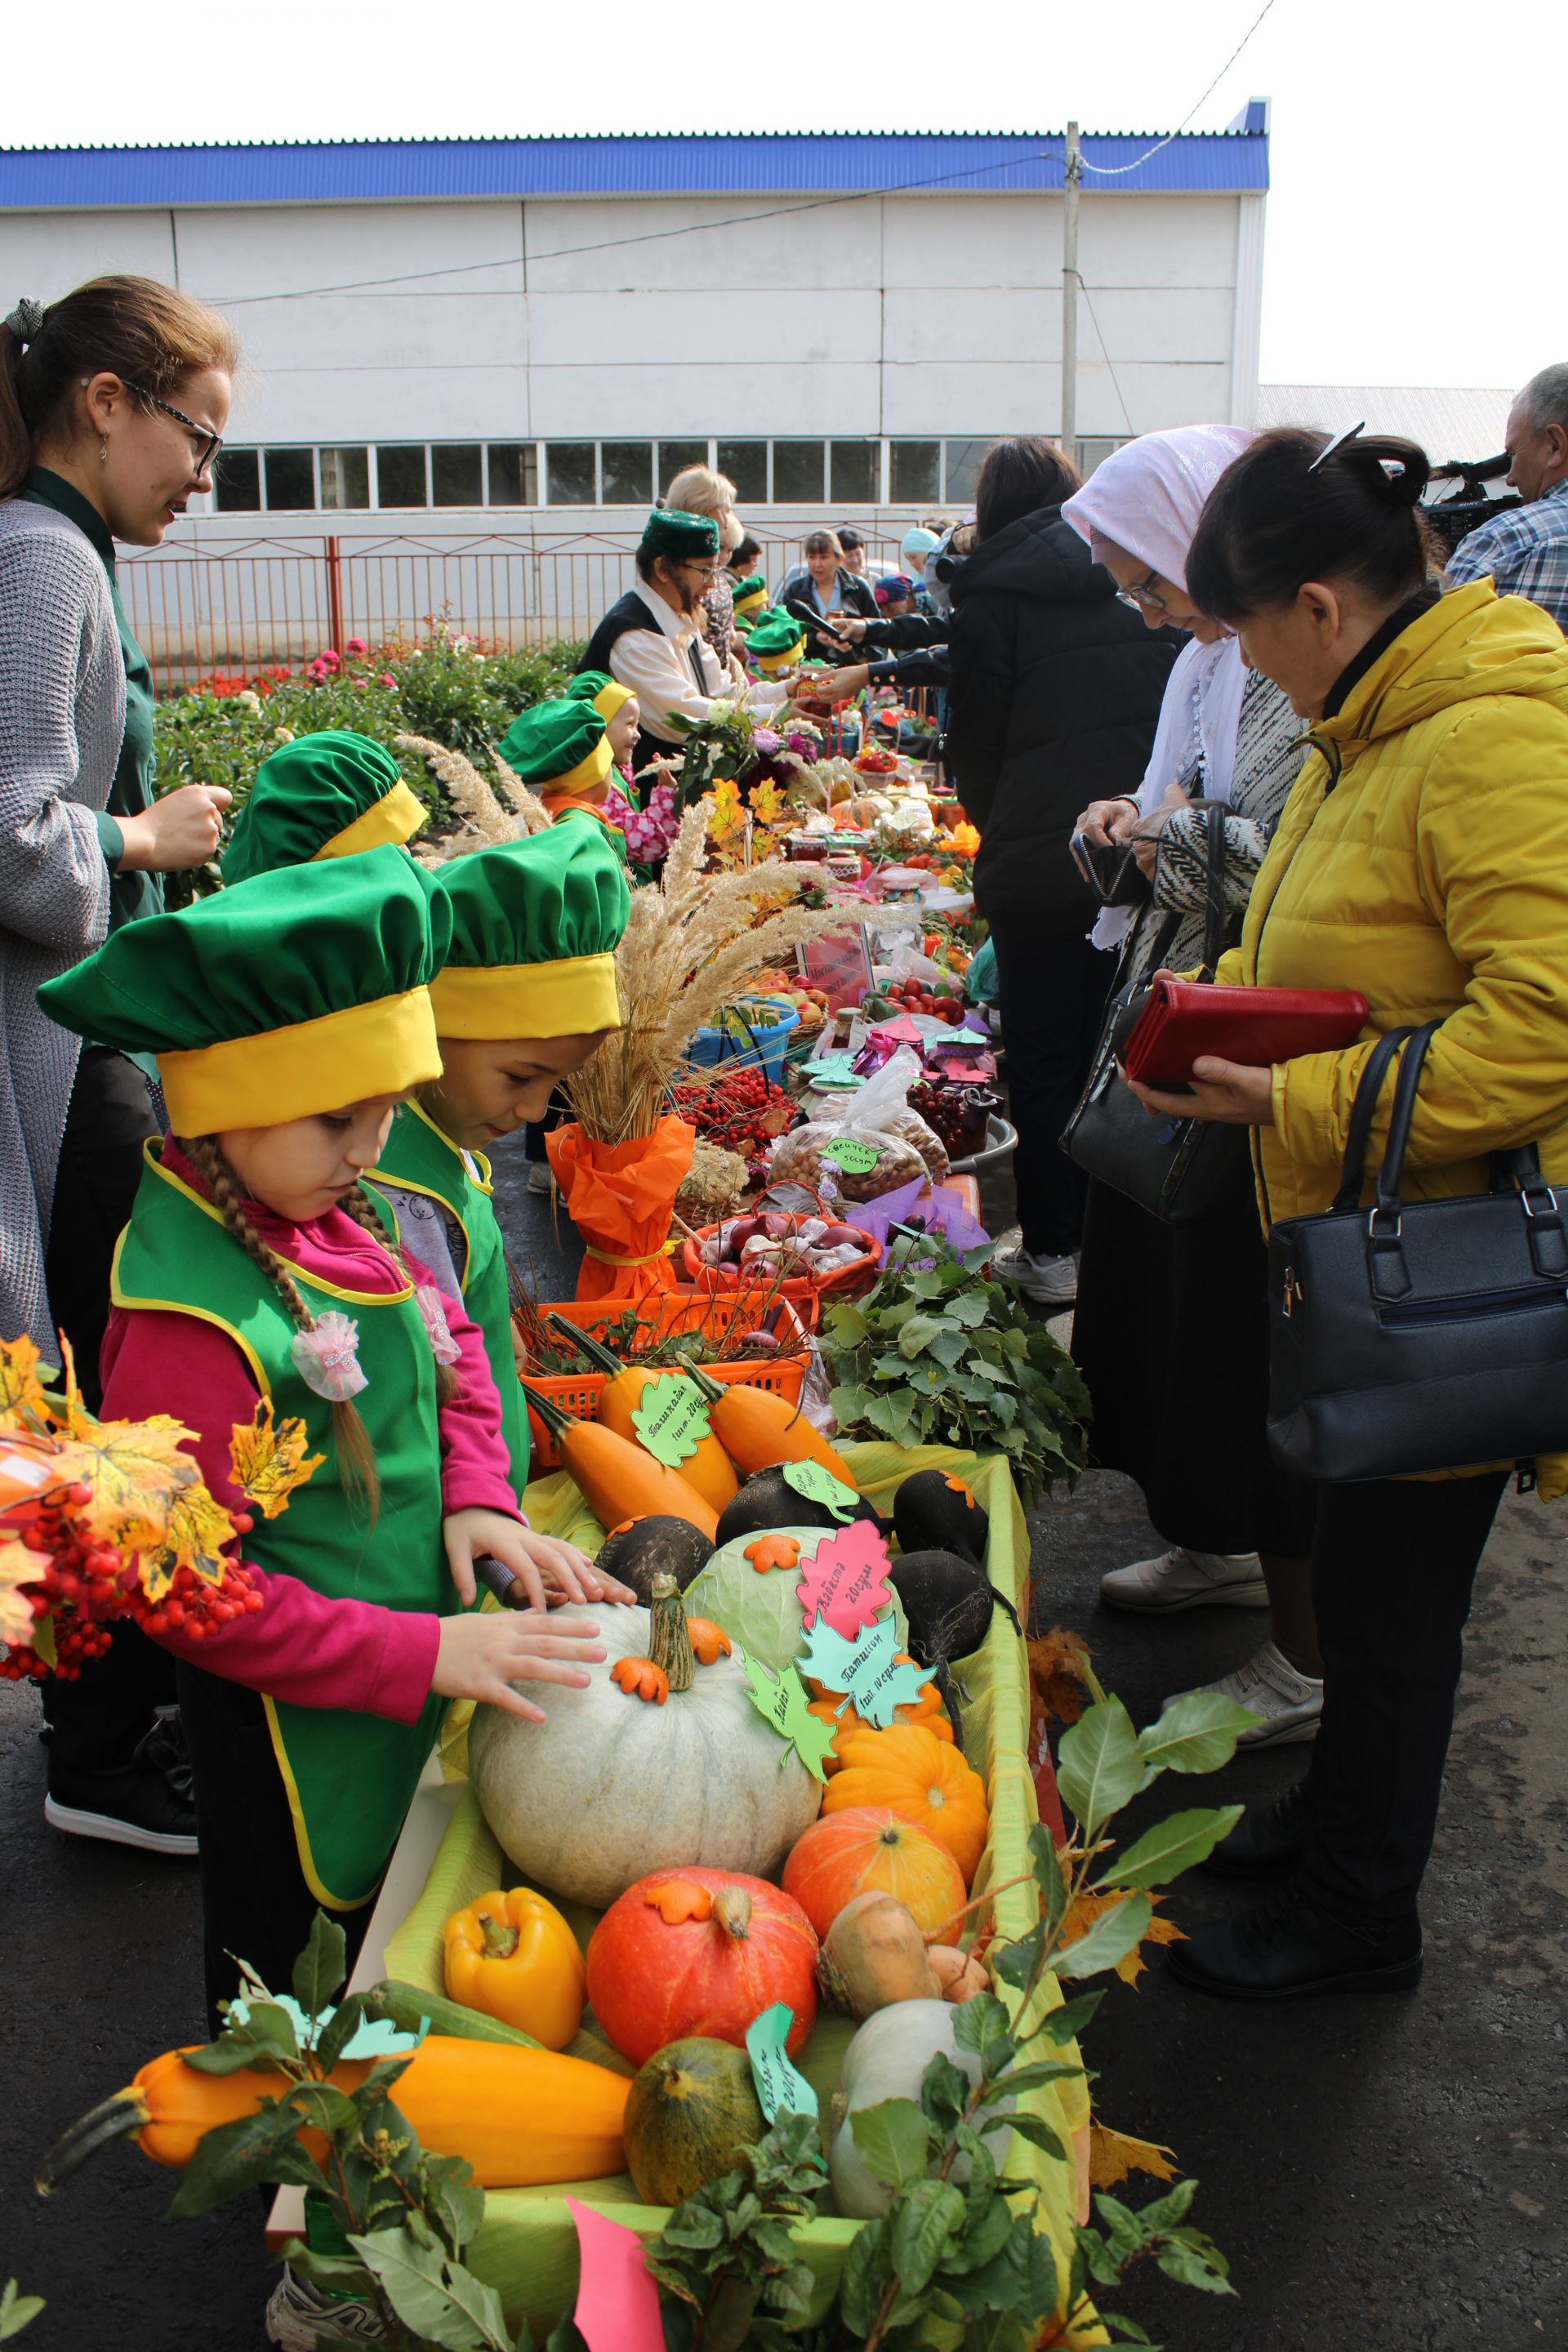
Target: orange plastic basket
[{"x": 660, "y": 1313}]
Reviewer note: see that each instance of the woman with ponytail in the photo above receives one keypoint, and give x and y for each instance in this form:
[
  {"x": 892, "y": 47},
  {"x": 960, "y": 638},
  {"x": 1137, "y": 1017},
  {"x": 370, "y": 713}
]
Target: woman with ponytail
[
  {"x": 1422, "y": 858},
  {"x": 113, "y": 401}
]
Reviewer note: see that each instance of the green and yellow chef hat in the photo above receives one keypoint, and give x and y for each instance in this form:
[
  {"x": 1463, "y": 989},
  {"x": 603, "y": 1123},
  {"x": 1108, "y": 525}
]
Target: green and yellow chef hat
[
  {"x": 298, "y": 991},
  {"x": 681, "y": 537},
  {"x": 775, "y": 642},
  {"x": 558, "y": 747},
  {"x": 326, "y": 795},
  {"x": 606, "y": 693},
  {"x": 535, "y": 925},
  {"x": 751, "y": 599}
]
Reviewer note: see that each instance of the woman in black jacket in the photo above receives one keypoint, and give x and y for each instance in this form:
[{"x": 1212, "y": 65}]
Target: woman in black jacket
[
  {"x": 823, "y": 586},
  {"x": 1056, "y": 688}
]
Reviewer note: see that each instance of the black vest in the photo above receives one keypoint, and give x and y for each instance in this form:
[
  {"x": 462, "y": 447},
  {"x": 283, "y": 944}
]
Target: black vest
[{"x": 629, "y": 612}]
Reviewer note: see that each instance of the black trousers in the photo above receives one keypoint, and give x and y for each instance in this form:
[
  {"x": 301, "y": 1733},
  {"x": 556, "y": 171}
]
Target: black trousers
[
  {"x": 96, "y": 1722},
  {"x": 1394, "y": 1563},
  {"x": 255, "y": 1904},
  {"x": 1052, "y": 993}
]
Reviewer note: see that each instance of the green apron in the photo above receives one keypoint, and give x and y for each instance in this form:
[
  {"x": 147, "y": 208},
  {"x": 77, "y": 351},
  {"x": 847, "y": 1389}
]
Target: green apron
[
  {"x": 419, "y": 1159},
  {"x": 350, "y": 1777}
]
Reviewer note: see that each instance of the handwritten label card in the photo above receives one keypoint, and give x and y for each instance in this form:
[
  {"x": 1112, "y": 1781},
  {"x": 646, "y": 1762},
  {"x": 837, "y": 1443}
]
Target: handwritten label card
[
  {"x": 780, "y": 2089},
  {"x": 785, "y": 1703},
  {"x": 867, "y": 1670},
  {"x": 847, "y": 1580},
  {"x": 671, "y": 1419},
  {"x": 847, "y": 1152},
  {"x": 818, "y": 1484}
]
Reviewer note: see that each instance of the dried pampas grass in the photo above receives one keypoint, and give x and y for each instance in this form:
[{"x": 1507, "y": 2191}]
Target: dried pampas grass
[
  {"x": 532, "y": 811},
  {"x": 484, "y": 821},
  {"x": 690, "y": 945}
]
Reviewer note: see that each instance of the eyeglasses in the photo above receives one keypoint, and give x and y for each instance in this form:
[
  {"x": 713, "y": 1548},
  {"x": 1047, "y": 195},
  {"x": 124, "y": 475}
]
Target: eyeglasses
[
  {"x": 1145, "y": 595},
  {"x": 207, "y": 444},
  {"x": 704, "y": 571}
]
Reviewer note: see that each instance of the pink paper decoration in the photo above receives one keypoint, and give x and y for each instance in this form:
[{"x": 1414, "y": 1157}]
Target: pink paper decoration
[
  {"x": 617, "y": 2302},
  {"x": 845, "y": 1582}
]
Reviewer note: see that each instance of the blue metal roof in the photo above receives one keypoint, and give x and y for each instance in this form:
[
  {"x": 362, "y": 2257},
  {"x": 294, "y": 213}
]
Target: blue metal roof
[{"x": 763, "y": 163}]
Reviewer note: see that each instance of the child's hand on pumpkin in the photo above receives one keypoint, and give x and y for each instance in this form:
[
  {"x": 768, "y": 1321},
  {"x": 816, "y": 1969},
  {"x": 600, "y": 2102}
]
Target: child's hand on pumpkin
[
  {"x": 482, "y": 1656},
  {"x": 567, "y": 1574}
]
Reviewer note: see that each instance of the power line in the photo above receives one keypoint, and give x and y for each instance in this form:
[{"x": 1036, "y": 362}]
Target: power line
[
  {"x": 1114, "y": 171},
  {"x": 1105, "y": 352}
]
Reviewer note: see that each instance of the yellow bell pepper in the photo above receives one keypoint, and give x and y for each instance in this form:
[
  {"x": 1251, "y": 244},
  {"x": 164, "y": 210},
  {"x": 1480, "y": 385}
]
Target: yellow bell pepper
[{"x": 512, "y": 1956}]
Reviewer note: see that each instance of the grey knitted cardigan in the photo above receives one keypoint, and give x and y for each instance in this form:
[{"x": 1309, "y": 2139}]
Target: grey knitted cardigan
[{"x": 62, "y": 717}]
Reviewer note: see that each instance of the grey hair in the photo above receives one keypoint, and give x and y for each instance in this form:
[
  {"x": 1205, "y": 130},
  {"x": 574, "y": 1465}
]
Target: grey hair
[{"x": 1544, "y": 399}]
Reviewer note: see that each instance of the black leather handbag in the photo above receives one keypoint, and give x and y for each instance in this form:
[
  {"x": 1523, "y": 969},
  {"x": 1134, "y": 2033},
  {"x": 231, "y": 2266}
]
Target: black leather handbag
[
  {"x": 1427, "y": 1335},
  {"x": 1176, "y": 1169}
]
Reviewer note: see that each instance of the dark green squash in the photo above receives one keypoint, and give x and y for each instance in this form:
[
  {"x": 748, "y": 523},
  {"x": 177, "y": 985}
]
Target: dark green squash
[
  {"x": 767, "y": 1501},
  {"x": 933, "y": 1510},
  {"x": 641, "y": 1550},
  {"x": 690, "y": 2107}
]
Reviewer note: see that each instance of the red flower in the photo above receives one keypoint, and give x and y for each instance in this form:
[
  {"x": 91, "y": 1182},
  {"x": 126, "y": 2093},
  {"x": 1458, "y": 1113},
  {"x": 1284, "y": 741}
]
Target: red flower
[
  {"x": 387, "y": 678},
  {"x": 356, "y": 645}
]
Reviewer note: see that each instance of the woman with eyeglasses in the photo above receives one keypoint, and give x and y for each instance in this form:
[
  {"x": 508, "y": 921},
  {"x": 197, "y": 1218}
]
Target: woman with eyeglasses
[
  {"x": 112, "y": 405},
  {"x": 1171, "y": 1329}
]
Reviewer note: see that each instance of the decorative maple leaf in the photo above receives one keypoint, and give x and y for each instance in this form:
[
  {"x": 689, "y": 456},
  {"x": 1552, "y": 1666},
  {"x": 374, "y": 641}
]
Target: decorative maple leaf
[
  {"x": 135, "y": 1469},
  {"x": 1060, "y": 1684},
  {"x": 22, "y": 1399},
  {"x": 870, "y": 1669},
  {"x": 783, "y": 1701},
  {"x": 1087, "y": 1910},
  {"x": 1112, "y": 2157},
  {"x": 846, "y": 1581},
  {"x": 772, "y": 1551},
  {"x": 19, "y": 1565},
  {"x": 195, "y": 1535},
  {"x": 680, "y": 1899},
  {"x": 269, "y": 1463}
]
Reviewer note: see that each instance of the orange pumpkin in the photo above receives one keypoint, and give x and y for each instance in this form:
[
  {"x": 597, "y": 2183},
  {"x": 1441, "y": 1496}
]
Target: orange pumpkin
[
  {"x": 909, "y": 1769},
  {"x": 700, "y": 1951},
  {"x": 927, "y": 1709},
  {"x": 869, "y": 1849}
]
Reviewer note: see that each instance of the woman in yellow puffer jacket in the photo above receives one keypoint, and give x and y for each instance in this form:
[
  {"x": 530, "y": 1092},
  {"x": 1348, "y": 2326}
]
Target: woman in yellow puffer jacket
[{"x": 1423, "y": 860}]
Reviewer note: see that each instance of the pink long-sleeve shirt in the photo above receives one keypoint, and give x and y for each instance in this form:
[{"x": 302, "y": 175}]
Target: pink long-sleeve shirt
[{"x": 302, "y": 1646}]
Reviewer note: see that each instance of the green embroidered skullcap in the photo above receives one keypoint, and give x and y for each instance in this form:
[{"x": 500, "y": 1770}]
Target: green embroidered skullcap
[
  {"x": 326, "y": 795},
  {"x": 751, "y": 598},
  {"x": 596, "y": 686},
  {"x": 560, "y": 746},
  {"x": 535, "y": 925},
  {"x": 774, "y": 640},
  {"x": 683, "y": 538},
  {"x": 301, "y": 990}
]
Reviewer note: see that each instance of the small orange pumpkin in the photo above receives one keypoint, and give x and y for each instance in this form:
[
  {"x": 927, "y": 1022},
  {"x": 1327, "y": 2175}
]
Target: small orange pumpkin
[
  {"x": 869, "y": 1849},
  {"x": 910, "y": 1772},
  {"x": 927, "y": 1709}
]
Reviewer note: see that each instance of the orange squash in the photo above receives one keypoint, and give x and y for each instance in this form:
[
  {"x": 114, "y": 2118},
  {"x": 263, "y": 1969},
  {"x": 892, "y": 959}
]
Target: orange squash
[
  {"x": 758, "y": 1430},
  {"x": 699, "y": 1952},
  {"x": 832, "y": 1709},
  {"x": 709, "y": 1469},
  {"x": 617, "y": 1479},
  {"x": 869, "y": 1850},
  {"x": 909, "y": 1769}
]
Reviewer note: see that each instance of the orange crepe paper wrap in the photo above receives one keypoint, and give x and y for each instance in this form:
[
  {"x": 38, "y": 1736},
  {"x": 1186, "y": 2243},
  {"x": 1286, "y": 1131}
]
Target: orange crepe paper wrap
[{"x": 621, "y": 1198}]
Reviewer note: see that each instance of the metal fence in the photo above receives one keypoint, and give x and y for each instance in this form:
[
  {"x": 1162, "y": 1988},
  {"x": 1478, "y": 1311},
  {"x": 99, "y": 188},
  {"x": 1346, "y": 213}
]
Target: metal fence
[{"x": 242, "y": 607}]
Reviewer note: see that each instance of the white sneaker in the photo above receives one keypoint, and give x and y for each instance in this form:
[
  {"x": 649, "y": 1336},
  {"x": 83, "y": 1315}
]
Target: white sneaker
[
  {"x": 299, "y": 2317},
  {"x": 1049, "y": 1281},
  {"x": 1289, "y": 1704},
  {"x": 1180, "y": 1579},
  {"x": 540, "y": 1179}
]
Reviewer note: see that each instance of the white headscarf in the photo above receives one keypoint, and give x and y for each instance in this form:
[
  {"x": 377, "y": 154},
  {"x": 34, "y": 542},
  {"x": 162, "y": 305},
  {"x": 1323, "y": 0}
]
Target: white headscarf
[{"x": 1146, "y": 499}]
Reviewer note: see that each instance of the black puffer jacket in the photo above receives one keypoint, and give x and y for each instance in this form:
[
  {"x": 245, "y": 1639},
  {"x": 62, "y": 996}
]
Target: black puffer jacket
[{"x": 1055, "y": 692}]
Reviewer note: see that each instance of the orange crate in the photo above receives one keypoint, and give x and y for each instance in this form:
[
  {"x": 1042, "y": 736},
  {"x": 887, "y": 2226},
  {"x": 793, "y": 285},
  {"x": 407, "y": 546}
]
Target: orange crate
[{"x": 661, "y": 1313}]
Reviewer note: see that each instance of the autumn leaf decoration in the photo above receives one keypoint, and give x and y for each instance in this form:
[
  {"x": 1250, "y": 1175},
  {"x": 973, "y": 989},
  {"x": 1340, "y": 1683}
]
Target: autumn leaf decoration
[
  {"x": 1113, "y": 2156},
  {"x": 22, "y": 1403},
  {"x": 1062, "y": 1681},
  {"x": 269, "y": 1463},
  {"x": 1087, "y": 1909}
]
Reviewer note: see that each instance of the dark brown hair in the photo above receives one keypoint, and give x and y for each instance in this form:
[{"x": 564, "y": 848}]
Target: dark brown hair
[
  {"x": 824, "y": 542},
  {"x": 1017, "y": 478},
  {"x": 149, "y": 335},
  {"x": 1272, "y": 523}
]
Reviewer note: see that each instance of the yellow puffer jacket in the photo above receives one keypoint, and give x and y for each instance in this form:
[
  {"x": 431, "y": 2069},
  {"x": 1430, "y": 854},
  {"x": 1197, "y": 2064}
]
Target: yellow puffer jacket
[{"x": 1422, "y": 858}]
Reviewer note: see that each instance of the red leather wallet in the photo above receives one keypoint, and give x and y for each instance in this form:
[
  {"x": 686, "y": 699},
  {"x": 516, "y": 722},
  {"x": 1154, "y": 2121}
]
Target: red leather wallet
[{"x": 1182, "y": 1019}]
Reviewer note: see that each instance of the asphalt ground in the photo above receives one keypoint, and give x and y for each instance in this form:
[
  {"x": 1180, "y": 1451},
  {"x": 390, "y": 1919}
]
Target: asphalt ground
[{"x": 1387, "y": 2174}]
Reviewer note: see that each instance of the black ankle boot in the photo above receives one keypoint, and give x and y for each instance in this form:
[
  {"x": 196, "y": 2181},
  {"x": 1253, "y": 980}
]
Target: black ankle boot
[
  {"x": 1290, "y": 1950},
  {"x": 1267, "y": 1838}
]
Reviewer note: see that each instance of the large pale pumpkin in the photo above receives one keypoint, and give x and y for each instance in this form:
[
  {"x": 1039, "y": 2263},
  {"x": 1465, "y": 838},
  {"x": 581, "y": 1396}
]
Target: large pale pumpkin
[
  {"x": 918, "y": 1777},
  {"x": 869, "y": 1850},
  {"x": 699, "y": 1952},
  {"x": 614, "y": 1783}
]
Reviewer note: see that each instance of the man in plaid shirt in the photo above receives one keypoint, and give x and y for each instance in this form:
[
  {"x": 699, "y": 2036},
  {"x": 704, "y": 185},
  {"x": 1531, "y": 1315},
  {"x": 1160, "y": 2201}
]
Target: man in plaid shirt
[{"x": 1526, "y": 549}]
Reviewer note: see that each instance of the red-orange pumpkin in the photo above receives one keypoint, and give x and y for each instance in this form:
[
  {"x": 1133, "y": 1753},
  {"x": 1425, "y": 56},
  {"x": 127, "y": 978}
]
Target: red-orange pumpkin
[
  {"x": 867, "y": 1849},
  {"x": 700, "y": 1951}
]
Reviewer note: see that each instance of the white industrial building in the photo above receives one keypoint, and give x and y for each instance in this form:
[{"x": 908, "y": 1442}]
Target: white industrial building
[{"x": 470, "y": 364}]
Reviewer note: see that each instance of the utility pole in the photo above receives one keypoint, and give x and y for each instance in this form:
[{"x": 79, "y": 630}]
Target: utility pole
[{"x": 1072, "y": 177}]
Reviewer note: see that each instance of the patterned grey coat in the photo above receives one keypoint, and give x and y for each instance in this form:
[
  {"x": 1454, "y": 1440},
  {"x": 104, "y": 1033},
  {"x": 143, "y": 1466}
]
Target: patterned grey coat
[{"x": 62, "y": 716}]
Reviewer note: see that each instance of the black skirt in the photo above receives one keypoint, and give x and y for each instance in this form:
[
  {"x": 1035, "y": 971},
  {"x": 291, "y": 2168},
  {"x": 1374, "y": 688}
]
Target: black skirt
[{"x": 1171, "y": 1333}]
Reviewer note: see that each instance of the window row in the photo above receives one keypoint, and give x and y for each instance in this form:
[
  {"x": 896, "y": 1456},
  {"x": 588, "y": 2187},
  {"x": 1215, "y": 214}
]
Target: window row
[{"x": 402, "y": 474}]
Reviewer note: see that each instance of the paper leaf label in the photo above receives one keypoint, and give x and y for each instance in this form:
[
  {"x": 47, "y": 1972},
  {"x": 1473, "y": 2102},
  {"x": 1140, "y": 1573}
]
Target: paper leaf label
[
  {"x": 846, "y": 1581},
  {"x": 835, "y": 1070},
  {"x": 817, "y": 1482},
  {"x": 781, "y": 2090},
  {"x": 855, "y": 1158},
  {"x": 783, "y": 1701},
  {"x": 269, "y": 1463},
  {"x": 869, "y": 1670},
  {"x": 671, "y": 1419}
]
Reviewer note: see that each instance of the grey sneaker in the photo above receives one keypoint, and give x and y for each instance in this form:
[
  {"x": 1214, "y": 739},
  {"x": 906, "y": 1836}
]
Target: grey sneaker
[
  {"x": 1180, "y": 1578},
  {"x": 1289, "y": 1704},
  {"x": 299, "y": 2317},
  {"x": 1049, "y": 1282},
  {"x": 540, "y": 1179}
]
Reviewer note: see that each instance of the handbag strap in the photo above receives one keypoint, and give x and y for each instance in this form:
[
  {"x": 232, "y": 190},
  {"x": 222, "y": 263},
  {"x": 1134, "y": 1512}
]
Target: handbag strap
[
  {"x": 1392, "y": 1171},
  {"x": 1214, "y": 880},
  {"x": 1354, "y": 1174}
]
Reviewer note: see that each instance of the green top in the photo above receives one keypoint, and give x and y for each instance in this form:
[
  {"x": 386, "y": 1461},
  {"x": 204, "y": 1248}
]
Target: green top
[{"x": 131, "y": 896}]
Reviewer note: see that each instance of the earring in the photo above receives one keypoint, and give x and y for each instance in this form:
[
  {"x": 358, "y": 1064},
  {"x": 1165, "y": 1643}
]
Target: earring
[{"x": 103, "y": 452}]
